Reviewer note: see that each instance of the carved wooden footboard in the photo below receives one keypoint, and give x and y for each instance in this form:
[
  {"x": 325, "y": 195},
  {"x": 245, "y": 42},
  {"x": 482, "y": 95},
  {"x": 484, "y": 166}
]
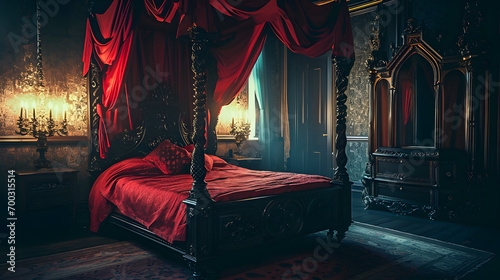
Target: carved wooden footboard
[{"x": 235, "y": 226}]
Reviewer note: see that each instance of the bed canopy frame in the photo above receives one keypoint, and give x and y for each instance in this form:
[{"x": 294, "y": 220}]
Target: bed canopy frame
[{"x": 217, "y": 228}]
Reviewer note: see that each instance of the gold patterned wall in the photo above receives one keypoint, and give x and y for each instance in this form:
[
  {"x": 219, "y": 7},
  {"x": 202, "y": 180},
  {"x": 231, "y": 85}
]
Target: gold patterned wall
[
  {"x": 63, "y": 84},
  {"x": 62, "y": 38},
  {"x": 63, "y": 34}
]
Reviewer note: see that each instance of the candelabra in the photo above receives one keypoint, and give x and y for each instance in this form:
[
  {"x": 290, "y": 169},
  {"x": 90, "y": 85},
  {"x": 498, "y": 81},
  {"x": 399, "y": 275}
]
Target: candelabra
[
  {"x": 41, "y": 129},
  {"x": 241, "y": 131}
]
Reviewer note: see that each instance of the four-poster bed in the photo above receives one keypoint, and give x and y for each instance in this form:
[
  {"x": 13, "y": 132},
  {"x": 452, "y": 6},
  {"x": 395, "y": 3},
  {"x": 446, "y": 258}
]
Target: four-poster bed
[{"x": 139, "y": 92}]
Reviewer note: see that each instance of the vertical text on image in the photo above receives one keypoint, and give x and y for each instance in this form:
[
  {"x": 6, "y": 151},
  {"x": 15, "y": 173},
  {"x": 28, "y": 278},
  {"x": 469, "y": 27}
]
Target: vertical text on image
[{"x": 11, "y": 219}]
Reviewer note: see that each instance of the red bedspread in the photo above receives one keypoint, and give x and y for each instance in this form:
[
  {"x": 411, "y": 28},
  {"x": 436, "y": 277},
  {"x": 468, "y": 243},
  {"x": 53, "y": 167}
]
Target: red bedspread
[{"x": 139, "y": 190}]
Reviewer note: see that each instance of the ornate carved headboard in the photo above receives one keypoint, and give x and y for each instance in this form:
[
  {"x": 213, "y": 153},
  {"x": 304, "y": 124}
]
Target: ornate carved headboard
[{"x": 161, "y": 120}]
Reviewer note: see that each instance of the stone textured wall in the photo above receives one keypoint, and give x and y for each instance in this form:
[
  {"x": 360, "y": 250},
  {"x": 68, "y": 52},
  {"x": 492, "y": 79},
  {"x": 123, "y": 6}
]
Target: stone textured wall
[
  {"x": 358, "y": 97},
  {"x": 357, "y": 92},
  {"x": 63, "y": 34},
  {"x": 357, "y": 153}
]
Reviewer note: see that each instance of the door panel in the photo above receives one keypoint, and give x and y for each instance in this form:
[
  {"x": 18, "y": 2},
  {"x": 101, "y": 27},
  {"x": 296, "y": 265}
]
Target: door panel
[{"x": 309, "y": 96}]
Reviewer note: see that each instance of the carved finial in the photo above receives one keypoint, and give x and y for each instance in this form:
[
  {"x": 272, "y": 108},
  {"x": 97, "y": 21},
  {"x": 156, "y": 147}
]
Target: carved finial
[
  {"x": 411, "y": 26},
  {"x": 376, "y": 58},
  {"x": 91, "y": 8}
]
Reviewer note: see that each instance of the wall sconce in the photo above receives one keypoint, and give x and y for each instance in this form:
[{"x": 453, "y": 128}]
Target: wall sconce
[{"x": 41, "y": 128}]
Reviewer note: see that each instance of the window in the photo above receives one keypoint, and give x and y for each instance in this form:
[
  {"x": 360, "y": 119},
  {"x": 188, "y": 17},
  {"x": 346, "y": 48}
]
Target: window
[{"x": 244, "y": 108}]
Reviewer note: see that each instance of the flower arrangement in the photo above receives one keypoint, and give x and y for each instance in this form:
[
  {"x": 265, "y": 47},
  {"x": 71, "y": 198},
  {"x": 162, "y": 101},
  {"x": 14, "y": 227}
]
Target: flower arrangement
[{"x": 240, "y": 130}]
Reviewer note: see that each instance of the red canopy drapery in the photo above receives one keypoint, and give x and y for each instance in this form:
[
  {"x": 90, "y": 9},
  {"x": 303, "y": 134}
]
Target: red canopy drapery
[
  {"x": 240, "y": 33},
  {"x": 109, "y": 37}
]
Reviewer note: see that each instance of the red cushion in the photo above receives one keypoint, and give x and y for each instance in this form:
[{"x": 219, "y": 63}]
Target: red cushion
[
  {"x": 218, "y": 162},
  {"x": 170, "y": 158},
  {"x": 209, "y": 162}
]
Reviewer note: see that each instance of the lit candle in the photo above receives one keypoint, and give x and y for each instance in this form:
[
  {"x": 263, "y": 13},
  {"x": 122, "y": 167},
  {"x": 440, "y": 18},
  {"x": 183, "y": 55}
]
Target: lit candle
[
  {"x": 33, "y": 105},
  {"x": 65, "y": 108},
  {"x": 232, "y": 122},
  {"x": 50, "y": 110},
  {"x": 22, "y": 108},
  {"x": 21, "y": 115}
]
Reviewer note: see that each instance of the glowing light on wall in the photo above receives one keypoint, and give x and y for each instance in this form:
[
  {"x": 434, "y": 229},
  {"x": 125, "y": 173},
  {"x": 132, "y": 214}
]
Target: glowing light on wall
[{"x": 54, "y": 106}]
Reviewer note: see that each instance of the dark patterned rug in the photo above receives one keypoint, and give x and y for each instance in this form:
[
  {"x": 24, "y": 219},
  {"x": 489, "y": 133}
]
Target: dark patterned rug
[{"x": 368, "y": 252}]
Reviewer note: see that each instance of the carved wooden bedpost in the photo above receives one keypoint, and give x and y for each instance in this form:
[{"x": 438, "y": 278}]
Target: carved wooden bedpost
[
  {"x": 95, "y": 93},
  {"x": 198, "y": 220},
  {"x": 343, "y": 67},
  {"x": 199, "y": 39}
]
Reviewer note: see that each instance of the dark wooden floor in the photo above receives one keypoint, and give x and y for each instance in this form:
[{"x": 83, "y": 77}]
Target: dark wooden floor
[
  {"x": 482, "y": 238},
  {"x": 478, "y": 237}
]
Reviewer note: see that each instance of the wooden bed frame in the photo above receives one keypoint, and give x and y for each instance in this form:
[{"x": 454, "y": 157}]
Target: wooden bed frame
[{"x": 218, "y": 228}]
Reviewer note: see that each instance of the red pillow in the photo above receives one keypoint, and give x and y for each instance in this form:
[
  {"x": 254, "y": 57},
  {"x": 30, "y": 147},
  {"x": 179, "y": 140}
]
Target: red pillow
[
  {"x": 169, "y": 158},
  {"x": 209, "y": 162},
  {"x": 218, "y": 162}
]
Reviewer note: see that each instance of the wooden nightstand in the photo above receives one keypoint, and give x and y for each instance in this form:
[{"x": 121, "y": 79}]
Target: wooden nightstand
[
  {"x": 245, "y": 162},
  {"x": 43, "y": 195}
]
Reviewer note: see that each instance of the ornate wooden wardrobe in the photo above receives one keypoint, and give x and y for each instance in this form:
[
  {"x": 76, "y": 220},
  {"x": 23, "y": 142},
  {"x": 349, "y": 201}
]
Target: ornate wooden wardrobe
[{"x": 428, "y": 127}]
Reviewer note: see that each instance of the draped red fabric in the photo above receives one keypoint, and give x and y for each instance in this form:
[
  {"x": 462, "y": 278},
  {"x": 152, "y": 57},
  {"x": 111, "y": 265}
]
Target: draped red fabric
[
  {"x": 108, "y": 38},
  {"x": 235, "y": 61},
  {"x": 239, "y": 29},
  {"x": 306, "y": 28},
  {"x": 302, "y": 26},
  {"x": 160, "y": 57},
  {"x": 139, "y": 190},
  {"x": 165, "y": 12}
]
